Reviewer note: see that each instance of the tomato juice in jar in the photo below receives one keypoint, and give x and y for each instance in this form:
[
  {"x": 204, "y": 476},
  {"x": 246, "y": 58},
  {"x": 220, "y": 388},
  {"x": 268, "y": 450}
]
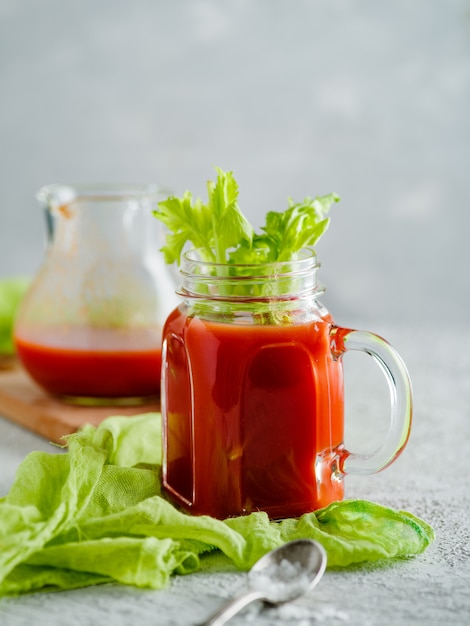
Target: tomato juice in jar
[
  {"x": 247, "y": 423},
  {"x": 252, "y": 391},
  {"x": 242, "y": 401}
]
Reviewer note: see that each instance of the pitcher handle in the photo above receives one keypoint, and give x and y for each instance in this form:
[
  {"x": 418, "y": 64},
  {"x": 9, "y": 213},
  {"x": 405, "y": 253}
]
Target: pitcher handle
[{"x": 341, "y": 341}]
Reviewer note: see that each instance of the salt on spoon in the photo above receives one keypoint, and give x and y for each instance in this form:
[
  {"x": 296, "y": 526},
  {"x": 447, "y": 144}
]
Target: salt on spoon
[{"x": 282, "y": 575}]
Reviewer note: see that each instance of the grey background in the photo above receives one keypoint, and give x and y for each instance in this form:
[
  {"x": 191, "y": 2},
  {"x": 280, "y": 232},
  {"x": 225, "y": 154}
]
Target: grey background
[{"x": 302, "y": 97}]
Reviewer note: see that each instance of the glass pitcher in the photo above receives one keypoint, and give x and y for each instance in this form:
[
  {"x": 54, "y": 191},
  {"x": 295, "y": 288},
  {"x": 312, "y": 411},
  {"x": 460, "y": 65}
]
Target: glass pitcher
[
  {"x": 89, "y": 328},
  {"x": 252, "y": 392}
]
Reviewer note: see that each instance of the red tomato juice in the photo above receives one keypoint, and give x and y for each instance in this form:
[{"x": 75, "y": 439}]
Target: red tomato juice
[
  {"x": 89, "y": 372},
  {"x": 253, "y": 417}
]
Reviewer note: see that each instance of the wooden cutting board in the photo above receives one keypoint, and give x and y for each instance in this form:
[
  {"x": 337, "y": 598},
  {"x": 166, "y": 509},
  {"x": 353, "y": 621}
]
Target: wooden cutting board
[{"x": 26, "y": 404}]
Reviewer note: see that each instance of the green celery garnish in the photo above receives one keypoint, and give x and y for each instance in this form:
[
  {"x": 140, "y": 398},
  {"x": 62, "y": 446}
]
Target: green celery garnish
[
  {"x": 300, "y": 226},
  {"x": 214, "y": 227},
  {"x": 223, "y": 233}
]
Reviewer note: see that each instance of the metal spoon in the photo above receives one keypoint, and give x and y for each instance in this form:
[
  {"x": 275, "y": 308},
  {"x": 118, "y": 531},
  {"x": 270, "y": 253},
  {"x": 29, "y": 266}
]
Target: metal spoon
[{"x": 282, "y": 575}]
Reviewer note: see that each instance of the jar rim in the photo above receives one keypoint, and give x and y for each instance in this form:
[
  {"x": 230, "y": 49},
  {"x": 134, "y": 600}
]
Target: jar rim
[
  {"x": 250, "y": 282},
  {"x": 306, "y": 259},
  {"x": 65, "y": 193}
]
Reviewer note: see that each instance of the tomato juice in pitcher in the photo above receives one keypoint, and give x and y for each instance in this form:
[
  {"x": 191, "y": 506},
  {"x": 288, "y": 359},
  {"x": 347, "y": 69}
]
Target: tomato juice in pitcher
[
  {"x": 89, "y": 328},
  {"x": 93, "y": 363}
]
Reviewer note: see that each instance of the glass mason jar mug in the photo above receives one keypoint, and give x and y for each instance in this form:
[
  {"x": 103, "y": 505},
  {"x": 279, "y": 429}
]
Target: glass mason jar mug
[
  {"x": 252, "y": 392},
  {"x": 89, "y": 328}
]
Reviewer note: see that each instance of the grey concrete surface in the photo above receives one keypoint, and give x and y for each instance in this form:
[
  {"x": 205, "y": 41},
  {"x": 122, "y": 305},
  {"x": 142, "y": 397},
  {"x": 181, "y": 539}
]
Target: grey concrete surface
[
  {"x": 368, "y": 99},
  {"x": 430, "y": 479}
]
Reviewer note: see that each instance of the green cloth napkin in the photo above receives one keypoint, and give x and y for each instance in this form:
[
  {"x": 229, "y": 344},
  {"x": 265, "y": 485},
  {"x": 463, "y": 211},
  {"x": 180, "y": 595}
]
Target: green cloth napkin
[
  {"x": 95, "y": 514},
  {"x": 12, "y": 291}
]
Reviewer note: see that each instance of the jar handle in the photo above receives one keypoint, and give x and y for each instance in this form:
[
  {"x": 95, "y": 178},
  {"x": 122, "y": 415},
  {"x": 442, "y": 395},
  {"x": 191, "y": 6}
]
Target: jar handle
[{"x": 396, "y": 374}]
